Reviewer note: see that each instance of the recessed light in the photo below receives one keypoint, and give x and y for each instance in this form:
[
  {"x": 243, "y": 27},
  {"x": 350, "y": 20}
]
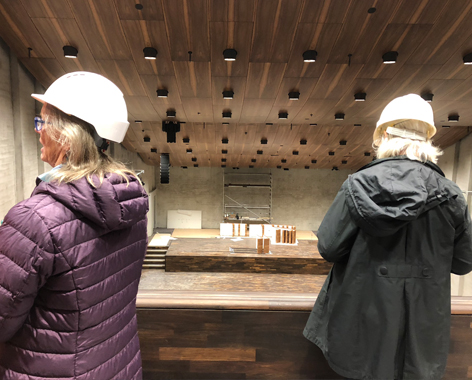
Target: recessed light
[
  {"x": 150, "y": 53},
  {"x": 453, "y": 118},
  {"x": 162, "y": 93},
  {"x": 230, "y": 54},
  {"x": 293, "y": 95},
  {"x": 446, "y": 126},
  {"x": 283, "y": 115},
  {"x": 263, "y": 141},
  {"x": 70, "y": 52},
  {"x": 360, "y": 97},
  {"x": 228, "y": 94},
  {"x": 390, "y": 57},
  {"x": 303, "y": 142},
  {"x": 339, "y": 116},
  {"x": 310, "y": 56}
]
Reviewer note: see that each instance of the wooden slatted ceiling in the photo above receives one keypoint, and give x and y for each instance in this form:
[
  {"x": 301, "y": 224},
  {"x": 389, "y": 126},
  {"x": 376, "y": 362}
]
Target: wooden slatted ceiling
[{"x": 270, "y": 36}]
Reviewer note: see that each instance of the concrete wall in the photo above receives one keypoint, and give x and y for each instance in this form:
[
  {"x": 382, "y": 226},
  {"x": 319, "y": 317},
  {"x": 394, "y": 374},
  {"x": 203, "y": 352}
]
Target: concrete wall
[
  {"x": 456, "y": 163},
  {"x": 299, "y": 197},
  {"x": 20, "y": 150}
]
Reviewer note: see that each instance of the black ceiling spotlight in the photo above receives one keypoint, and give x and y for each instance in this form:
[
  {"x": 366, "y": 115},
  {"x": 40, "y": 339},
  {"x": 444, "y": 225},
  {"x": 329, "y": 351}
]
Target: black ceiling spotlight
[
  {"x": 283, "y": 160},
  {"x": 260, "y": 152},
  {"x": 224, "y": 151},
  {"x": 371, "y": 10},
  {"x": 139, "y": 6},
  {"x": 138, "y": 121},
  {"x": 367, "y": 154},
  {"x": 339, "y": 116},
  {"x": 183, "y": 167},
  {"x": 162, "y": 93},
  {"x": 269, "y": 123},
  {"x": 194, "y": 159},
  {"x": 310, "y": 56},
  {"x": 70, "y": 51},
  {"x": 223, "y": 160},
  {"x": 225, "y": 123},
  {"x": 428, "y": 97},
  {"x": 185, "y": 140},
  {"x": 195, "y": 165},
  {"x": 446, "y": 126},
  {"x": 307, "y": 167},
  {"x": 344, "y": 162},
  {"x": 224, "y": 141},
  {"x": 343, "y": 142},
  {"x": 335, "y": 168},
  {"x": 360, "y": 97},
  {"x": 357, "y": 125},
  {"x": 170, "y": 113},
  {"x": 279, "y": 167},
  {"x": 331, "y": 153},
  {"x": 223, "y": 166},
  {"x": 230, "y": 54},
  {"x": 467, "y": 59},
  {"x": 313, "y": 161},
  {"x": 303, "y": 142},
  {"x": 283, "y": 115},
  {"x": 285, "y": 168},
  {"x": 293, "y": 95},
  {"x": 263, "y": 141},
  {"x": 251, "y": 166},
  {"x": 226, "y": 114},
  {"x": 390, "y": 57},
  {"x": 147, "y": 139},
  {"x": 453, "y": 118},
  {"x": 253, "y": 160},
  {"x": 295, "y": 152},
  {"x": 153, "y": 150},
  {"x": 189, "y": 151},
  {"x": 150, "y": 53},
  {"x": 228, "y": 94}
]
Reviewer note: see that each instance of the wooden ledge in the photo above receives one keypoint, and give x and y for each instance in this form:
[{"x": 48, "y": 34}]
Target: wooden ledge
[{"x": 177, "y": 299}]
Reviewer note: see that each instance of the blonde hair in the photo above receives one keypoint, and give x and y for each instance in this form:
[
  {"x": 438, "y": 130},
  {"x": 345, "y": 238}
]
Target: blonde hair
[
  {"x": 83, "y": 158},
  {"x": 391, "y": 146}
]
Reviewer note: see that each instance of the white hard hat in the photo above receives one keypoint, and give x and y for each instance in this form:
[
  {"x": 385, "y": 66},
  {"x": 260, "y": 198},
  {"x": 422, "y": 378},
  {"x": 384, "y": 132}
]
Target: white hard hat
[
  {"x": 92, "y": 98},
  {"x": 408, "y": 116}
]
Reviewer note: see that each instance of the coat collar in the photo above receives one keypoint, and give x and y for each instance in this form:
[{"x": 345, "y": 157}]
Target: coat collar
[{"x": 429, "y": 164}]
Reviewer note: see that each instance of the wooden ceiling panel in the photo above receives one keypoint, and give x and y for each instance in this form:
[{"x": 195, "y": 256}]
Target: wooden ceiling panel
[
  {"x": 311, "y": 11},
  {"x": 333, "y": 11},
  {"x": 230, "y": 35},
  {"x": 19, "y": 32},
  {"x": 234, "y": 108},
  {"x": 267, "y": 12},
  {"x": 198, "y": 108},
  {"x": 255, "y": 110},
  {"x": 319, "y": 37},
  {"x": 193, "y": 79},
  {"x": 45, "y": 70},
  {"x": 48, "y": 8},
  {"x": 314, "y": 110},
  {"x": 141, "y": 108},
  {"x": 101, "y": 28},
  {"x": 152, "y": 83},
  {"x": 230, "y": 10},
  {"x": 304, "y": 86},
  {"x": 188, "y": 29},
  {"x": 418, "y": 12},
  {"x": 334, "y": 80},
  {"x": 63, "y": 32},
  {"x": 141, "y": 34},
  {"x": 355, "y": 29},
  {"x": 264, "y": 80},
  {"x": 220, "y": 84},
  {"x": 451, "y": 28},
  {"x": 123, "y": 73},
  {"x": 441, "y": 88},
  {"x": 152, "y": 10}
]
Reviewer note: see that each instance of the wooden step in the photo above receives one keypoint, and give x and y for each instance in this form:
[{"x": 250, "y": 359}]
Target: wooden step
[
  {"x": 154, "y": 266},
  {"x": 153, "y": 260}
]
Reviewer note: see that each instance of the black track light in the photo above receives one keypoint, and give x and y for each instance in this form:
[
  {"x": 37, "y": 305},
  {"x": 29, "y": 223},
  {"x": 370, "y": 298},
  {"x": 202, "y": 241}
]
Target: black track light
[
  {"x": 263, "y": 141},
  {"x": 70, "y": 52},
  {"x": 147, "y": 139},
  {"x": 162, "y": 93},
  {"x": 293, "y": 95},
  {"x": 303, "y": 142},
  {"x": 360, "y": 97},
  {"x": 390, "y": 57},
  {"x": 283, "y": 115},
  {"x": 310, "y": 56},
  {"x": 226, "y": 114},
  {"x": 228, "y": 94},
  {"x": 150, "y": 53},
  {"x": 428, "y": 97},
  {"x": 467, "y": 59},
  {"x": 170, "y": 113},
  {"x": 339, "y": 116},
  {"x": 453, "y": 118},
  {"x": 230, "y": 54}
]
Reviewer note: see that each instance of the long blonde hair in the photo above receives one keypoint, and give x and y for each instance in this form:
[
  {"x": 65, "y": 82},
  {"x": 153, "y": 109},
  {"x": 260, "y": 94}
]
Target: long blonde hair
[
  {"x": 83, "y": 158},
  {"x": 391, "y": 146}
]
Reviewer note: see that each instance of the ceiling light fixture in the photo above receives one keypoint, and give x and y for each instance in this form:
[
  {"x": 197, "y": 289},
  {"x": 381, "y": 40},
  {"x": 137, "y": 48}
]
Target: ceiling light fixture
[
  {"x": 453, "y": 118},
  {"x": 344, "y": 162},
  {"x": 279, "y": 167},
  {"x": 162, "y": 93},
  {"x": 283, "y": 115},
  {"x": 150, "y": 53},
  {"x": 293, "y": 95},
  {"x": 331, "y": 153},
  {"x": 253, "y": 160},
  {"x": 194, "y": 159},
  {"x": 170, "y": 113},
  {"x": 334, "y": 168},
  {"x": 446, "y": 126},
  {"x": 367, "y": 154},
  {"x": 339, "y": 116},
  {"x": 428, "y": 97},
  {"x": 224, "y": 141},
  {"x": 230, "y": 54},
  {"x": 260, "y": 152},
  {"x": 310, "y": 56},
  {"x": 138, "y": 121},
  {"x": 390, "y": 57},
  {"x": 467, "y": 59},
  {"x": 343, "y": 142},
  {"x": 283, "y": 160},
  {"x": 189, "y": 151},
  {"x": 313, "y": 161},
  {"x": 185, "y": 140},
  {"x": 263, "y": 141},
  {"x": 295, "y": 152},
  {"x": 307, "y": 167},
  {"x": 228, "y": 94},
  {"x": 147, "y": 139},
  {"x": 70, "y": 51},
  {"x": 303, "y": 142},
  {"x": 226, "y": 114},
  {"x": 251, "y": 166},
  {"x": 360, "y": 97},
  {"x": 224, "y": 151},
  {"x": 153, "y": 150}
]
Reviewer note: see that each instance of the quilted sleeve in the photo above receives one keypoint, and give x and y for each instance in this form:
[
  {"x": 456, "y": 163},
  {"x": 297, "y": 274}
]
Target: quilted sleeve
[
  {"x": 462, "y": 259},
  {"x": 26, "y": 261}
]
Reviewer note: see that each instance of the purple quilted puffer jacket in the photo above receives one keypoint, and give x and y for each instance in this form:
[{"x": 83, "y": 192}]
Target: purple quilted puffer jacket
[{"x": 70, "y": 263}]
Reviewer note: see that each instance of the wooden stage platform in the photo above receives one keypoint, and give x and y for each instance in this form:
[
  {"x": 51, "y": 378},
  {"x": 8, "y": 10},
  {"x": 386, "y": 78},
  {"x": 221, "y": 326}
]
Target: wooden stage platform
[{"x": 230, "y": 325}]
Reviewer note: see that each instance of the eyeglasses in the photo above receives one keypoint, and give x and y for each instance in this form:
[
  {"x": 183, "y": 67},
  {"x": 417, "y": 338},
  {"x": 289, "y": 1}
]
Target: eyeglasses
[{"x": 38, "y": 123}]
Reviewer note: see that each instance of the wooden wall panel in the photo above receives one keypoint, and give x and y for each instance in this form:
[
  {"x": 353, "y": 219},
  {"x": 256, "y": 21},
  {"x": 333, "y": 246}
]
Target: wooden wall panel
[{"x": 101, "y": 28}]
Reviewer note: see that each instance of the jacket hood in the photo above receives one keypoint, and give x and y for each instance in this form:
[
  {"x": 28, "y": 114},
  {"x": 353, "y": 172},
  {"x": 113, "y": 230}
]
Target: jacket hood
[
  {"x": 113, "y": 205},
  {"x": 387, "y": 194}
]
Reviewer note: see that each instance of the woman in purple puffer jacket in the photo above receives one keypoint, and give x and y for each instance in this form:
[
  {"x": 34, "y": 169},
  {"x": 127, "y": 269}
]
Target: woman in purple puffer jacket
[{"x": 71, "y": 255}]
